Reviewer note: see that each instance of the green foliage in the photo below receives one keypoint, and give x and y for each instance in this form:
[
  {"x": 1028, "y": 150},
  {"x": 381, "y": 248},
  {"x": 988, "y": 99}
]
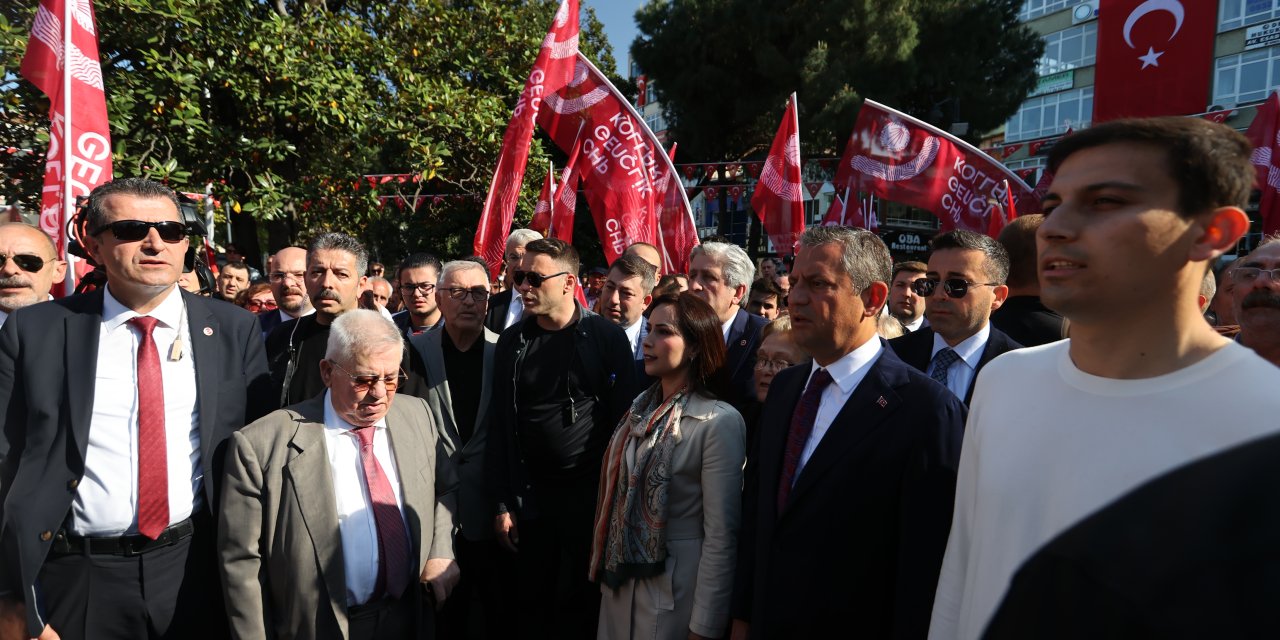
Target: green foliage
[
  {"x": 723, "y": 68},
  {"x": 284, "y": 104}
]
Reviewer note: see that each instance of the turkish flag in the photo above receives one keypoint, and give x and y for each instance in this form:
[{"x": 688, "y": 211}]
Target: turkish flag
[
  {"x": 779, "y": 196},
  {"x": 1155, "y": 58},
  {"x": 85, "y": 163},
  {"x": 1010, "y": 149},
  {"x": 902, "y": 159},
  {"x": 1264, "y": 133},
  {"x": 552, "y": 70},
  {"x": 1001, "y": 215}
]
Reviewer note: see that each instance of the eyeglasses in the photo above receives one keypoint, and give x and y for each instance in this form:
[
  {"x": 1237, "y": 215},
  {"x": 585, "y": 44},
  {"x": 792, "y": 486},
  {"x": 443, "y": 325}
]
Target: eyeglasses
[
  {"x": 954, "y": 287},
  {"x": 765, "y": 364},
  {"x": 363, "y": 383},
  {"x": 135, "y": 230},
  {"x": 535, "y": 279},
  {"x": 279, "y": 276},
  {"x": 425, "y": 287},
  {"x": 1242, "y": 275},
  {"x": 458, "y": 293},
  {"x": 258, "y": 305},
  {"x": 25, "y": 261}
]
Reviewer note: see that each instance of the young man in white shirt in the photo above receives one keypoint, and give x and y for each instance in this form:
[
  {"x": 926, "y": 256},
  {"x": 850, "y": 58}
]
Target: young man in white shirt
[{"x": 1062, "y": 437}]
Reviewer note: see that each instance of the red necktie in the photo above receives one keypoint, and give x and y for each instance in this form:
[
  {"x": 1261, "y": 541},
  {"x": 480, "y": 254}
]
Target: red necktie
[
  {"x": 153, "y": 468},
  {"x": 393, "y": 541},
  {"x": 798, "y": 434}
]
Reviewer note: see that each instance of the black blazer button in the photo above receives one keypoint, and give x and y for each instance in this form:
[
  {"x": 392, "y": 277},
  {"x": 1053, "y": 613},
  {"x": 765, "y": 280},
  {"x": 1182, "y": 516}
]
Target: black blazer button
[{"x": 46, "y": 536}]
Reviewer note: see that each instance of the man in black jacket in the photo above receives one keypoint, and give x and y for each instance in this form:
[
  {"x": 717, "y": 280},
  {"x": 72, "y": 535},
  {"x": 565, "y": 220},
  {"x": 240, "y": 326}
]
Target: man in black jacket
[{"x": 563, "y": 379}]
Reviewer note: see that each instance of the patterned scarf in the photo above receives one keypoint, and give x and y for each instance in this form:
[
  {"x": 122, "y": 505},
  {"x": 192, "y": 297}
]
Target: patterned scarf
[{"x": 631, "y": 514}]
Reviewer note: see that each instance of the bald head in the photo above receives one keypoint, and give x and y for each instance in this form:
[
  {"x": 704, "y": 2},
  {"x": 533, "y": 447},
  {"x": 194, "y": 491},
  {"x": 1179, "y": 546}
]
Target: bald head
[
  {"x": 646, "y": 252},
  {"x": 21, "y": 284},
  {"x": 286, "y": 271}
]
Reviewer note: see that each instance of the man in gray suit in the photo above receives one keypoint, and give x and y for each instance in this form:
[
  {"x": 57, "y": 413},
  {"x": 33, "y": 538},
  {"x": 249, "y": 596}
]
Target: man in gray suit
[{"x": 337, "y": 513}]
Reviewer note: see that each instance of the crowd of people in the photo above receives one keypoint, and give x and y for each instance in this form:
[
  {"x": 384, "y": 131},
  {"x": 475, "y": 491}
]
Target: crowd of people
[{"x": 1060, "y": 432}]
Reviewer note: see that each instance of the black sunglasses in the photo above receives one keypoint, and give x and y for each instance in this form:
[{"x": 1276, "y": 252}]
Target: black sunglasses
[
  {"x": 135, "y": 230},
  {"x": 25, "y": 261},
  {"x": 535, "y": 279},
  {"x": 954, "y": 287}
]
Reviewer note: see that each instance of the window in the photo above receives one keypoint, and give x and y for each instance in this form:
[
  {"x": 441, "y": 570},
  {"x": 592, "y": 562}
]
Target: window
[
  {"x": 1246, "y": 77},
  {"x": 1050, "y": 115},
  {"x": 1233, "y": 14},
  {"x": 655, "y": 122},
  {"x": 1069, "y": 49},
  {"x": 1036, "y": 8},
  {"x": 650, "y": 95}
]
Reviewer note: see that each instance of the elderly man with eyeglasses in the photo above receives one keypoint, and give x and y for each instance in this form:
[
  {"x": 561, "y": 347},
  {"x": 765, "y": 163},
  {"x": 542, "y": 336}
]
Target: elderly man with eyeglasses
[
  {"x": 1255, "y": 296},
  {"x": 29, "y": 267}
]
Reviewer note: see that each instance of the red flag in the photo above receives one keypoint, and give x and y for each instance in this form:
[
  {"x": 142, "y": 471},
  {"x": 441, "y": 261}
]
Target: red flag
[
  {"x": 1009, "y": 149},
  {"x": 1154, "y": 57},
  {"x": 642, "y": 83},
  {"x": 900, "y": 158},
  {"x": 1219, "y": 117},
  {"x": 835, "y": 213},
  {"x": 551, "y": 71},
  {"x": 542, "y": 211},
  {"x": 70, "y": 74},
  {"x": 626, "y": 176},
  {"x": 1264, "y": 133},
  {"x": 1034, "y": 148},
  {"x": 779, "y": 196},
  {"x": 1001, "y": 215},
  {"x": 565, "y": 203}
]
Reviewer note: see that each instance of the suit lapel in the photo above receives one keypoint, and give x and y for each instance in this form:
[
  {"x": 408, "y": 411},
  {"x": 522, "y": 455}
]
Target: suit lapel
[
  {"x": 311, "y": 483},
  {"x": 412, "y": 462},
  {"x": 205, "y": 345},
  {"x": 736, "y": 351},
  {"x": 433, "y": 358},
  {"x": 80, "y": 362}
]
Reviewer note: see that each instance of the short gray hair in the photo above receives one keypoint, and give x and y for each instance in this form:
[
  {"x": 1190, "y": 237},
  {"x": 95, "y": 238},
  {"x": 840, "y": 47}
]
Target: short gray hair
[
  {"x": 866, "y": 259},
  {"x": 734, "y": 263},
  {"x": 360, "y": 332},
  {"x": 460, "y": 265},
  {"x": 522, "y": 237},
  {"x": 341, "y": 242}
]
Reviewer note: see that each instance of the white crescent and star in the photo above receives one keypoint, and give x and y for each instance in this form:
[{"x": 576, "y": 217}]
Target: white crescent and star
[{"x": 1173, "y": 7}]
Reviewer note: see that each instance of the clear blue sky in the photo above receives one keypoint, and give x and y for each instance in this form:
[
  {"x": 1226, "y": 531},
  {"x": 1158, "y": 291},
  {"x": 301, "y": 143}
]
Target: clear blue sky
[{"x": 618, "y": 17}]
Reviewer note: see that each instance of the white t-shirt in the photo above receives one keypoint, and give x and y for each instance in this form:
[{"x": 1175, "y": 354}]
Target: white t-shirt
[{"x": 1047, "y": 445}]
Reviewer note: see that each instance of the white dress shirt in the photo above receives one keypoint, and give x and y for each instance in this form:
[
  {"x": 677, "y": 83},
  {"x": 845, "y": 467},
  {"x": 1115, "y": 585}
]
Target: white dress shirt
[
  {"x": 633, "y": 335},
  {"x": 961, "y": 372},
  {"x": 514, "y": 310},
  {"x": 106, "y": 502},
  {"x": 915, "y": 325},
  {"x": 356, "y": 524},
  {"x": 724, "y": 328},
  {"x": 4, "y": 315},
  {"x": 846, "y": 374},
  {"x": 284, "y": 317}
]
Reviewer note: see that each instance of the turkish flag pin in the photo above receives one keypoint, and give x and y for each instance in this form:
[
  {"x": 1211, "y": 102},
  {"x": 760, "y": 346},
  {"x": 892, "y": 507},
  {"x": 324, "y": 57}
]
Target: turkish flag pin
[
  {"x": 208, "y": 331},
  {"x": 882, "y": 402}
]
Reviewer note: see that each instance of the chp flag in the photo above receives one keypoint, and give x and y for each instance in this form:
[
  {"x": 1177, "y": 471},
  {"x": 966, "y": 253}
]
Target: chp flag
[
  {"x": 552, "y": 69},
  {"x": 627, "y": 178},
  {"x": 1264, "y": 135},
  {"x": 778, "y": 199},
  {"x": 902, "y": 159},
  {"x": 62, "y": 62}
]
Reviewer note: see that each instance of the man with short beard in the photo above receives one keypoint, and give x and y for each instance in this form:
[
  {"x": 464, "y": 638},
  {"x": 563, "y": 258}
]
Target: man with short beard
[
  {"x": 29, "y": 267},
  {"x": 287, "y": 270},
  {"x": 1256, "y": 299}
]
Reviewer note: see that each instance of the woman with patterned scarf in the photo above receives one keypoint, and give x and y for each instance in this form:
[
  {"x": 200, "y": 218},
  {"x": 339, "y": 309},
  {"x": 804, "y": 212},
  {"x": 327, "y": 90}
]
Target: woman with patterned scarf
[{"x": 670, "y": 500}]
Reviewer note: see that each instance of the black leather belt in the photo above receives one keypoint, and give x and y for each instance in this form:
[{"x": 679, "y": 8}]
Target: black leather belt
[{"x": 66, "y": 544}]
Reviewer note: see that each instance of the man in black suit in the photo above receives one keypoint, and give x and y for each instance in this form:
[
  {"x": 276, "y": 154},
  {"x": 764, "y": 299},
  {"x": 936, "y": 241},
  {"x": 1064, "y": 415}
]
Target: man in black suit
[
  {"x": 505, "y": 308},
  {"x": 286, "y": 275},
  {"x": 115, "y": 407},
  {"x": 1023, "y": 316},
  {"x": 720, "y": 273},
  {"x": 848, "y": 505},
  {"x": 964, "y": 284}
]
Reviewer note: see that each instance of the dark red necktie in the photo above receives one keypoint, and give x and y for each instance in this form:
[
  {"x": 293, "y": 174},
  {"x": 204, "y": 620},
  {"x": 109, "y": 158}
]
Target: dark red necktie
[
  {"x": 798, "y": 434},
  {"x": 393, "y": 541},
  {"x": 153, "y": 467}
]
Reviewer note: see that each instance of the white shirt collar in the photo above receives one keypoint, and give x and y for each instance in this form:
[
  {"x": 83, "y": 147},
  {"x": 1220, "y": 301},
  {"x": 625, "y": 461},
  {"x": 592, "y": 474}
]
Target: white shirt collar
[
  {"x": 168, "y": 312},
  {"x": 284, "y": 317},
  {"x": 633, "y": 331},
  {"x": 724, "y": 328},
  {"x": 335, "y": 422},
  {"x": 4, "y": 315},
  {"x": 850, "y": 369},
  {"x": 915, "y": 325},
  {"x": 969, "y": 350}
]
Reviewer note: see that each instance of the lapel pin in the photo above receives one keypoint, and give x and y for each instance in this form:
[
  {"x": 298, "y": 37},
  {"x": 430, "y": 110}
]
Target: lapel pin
[
  {"x": 743, "y": 343},
  {"x": 882, "y": 402},
  {"x": 208, "y": 331}
]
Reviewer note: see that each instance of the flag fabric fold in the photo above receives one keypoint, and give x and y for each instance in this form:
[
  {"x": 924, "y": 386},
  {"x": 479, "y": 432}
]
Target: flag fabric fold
[
  {"x": 542, "y": 210},
  {"x": 1264, "y": 135},
  {"x": 779, "y": 196}
]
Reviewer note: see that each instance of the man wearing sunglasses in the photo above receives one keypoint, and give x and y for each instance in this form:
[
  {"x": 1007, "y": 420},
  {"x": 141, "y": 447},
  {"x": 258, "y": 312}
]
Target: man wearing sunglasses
[
  {"x": 1256, "y": 299},
  {"x": 29, "y": 267},
  {"x": 964, "y": 284},
  {"x": 417, "y": 276},
  {"x": 115, "y": 408},
  {"x": 1121, "y": 483},
  {"x": 563, "y": 378}
]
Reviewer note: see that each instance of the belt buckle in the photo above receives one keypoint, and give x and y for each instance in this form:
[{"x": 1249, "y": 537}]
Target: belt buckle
[{"x": 132, "y": 547}]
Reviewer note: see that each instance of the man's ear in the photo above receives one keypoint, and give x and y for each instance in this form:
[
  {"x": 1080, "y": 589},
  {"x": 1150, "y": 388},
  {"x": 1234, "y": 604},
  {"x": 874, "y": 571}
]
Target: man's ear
[
  {"x": 1001, "y": 294},
  {"x": 874, "y": 297},
  {"x": 1221, "y": 230},
  {"x": 739, "y": 294},
  {"x": 326, "y": 371}
]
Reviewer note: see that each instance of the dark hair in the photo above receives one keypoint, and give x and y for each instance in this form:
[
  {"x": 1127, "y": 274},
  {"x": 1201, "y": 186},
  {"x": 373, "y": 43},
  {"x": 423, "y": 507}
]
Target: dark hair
[
  {"x": 139, "y": 187},
  {"x": 420, "y": 260},
  {"x": 632, "y": 266},
  {"x": 700, "y": 327},
  {"x": 340, "y": 242},
  {"x": 376, "y": 265},
  {"x": 1019, "y": 240},
  {"x": 236, "y": 264},
  {"x": 997, "y": 261},
  {"x": 910, "y": 266},
  {"x": 767, "y": 287},
  {"x": 668, "y": 284},
  {"x": 562, "y": 252},
  {"x": 242, "y": 298},
  {"x": 1208, "y": 161}
]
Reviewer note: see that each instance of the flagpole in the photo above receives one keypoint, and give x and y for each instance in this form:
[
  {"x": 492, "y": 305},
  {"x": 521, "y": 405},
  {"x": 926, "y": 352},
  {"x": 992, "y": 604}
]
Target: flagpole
[{"x": 68, "y": 150}]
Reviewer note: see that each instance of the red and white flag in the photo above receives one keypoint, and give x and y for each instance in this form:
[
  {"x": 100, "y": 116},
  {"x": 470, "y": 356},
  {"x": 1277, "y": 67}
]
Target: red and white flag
[
  {"x": 902, "y": 159},
  {"x": 565, "y": 203},
  {"x": 1001, "y": 214},
  {"x": 779, "y": 195},
  {"x": 1264, "y": 134},
  {"x": 626, "y": 176},
  {"x": 62, "y": 61},
  {"x": 542, "y": 210},
  {"x": 1154, "y": 58},
  {"x": 551, "y": 71}
]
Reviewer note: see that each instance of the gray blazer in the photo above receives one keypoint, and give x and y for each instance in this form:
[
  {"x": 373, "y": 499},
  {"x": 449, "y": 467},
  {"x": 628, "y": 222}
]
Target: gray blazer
[
  {"x": 475, "y": 513},
  {"x": 278, "y": 538}
]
